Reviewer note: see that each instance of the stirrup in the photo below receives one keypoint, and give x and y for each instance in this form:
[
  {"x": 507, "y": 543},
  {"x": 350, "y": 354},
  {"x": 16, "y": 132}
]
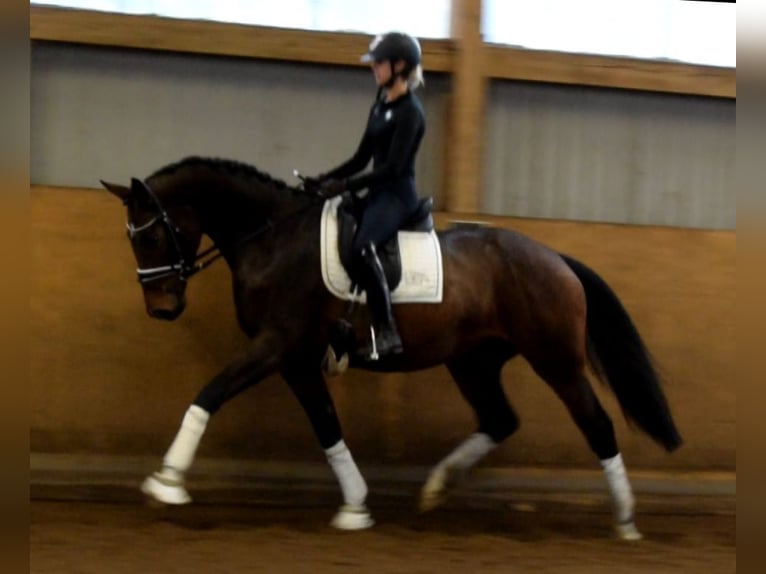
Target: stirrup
[{"x": 372, "y": 353}]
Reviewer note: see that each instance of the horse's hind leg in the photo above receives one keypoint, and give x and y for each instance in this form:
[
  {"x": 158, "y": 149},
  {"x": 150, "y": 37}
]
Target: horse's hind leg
[
  {"x": 574, "y": 389},
  {"x": 309, "y": 387},
  {"x": 477, "y": 374}
]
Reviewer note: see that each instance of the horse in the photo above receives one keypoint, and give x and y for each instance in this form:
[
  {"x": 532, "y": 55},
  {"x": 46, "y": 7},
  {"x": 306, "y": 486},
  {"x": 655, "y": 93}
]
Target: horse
[{"x": 504, "y": 295}]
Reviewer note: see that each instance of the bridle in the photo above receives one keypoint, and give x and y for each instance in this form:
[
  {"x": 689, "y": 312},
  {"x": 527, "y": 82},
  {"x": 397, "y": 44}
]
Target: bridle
[{"x": 182, "y": 268}]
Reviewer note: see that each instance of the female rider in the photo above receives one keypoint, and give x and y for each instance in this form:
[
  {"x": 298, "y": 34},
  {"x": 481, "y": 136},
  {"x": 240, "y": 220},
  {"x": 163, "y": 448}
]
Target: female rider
[{"x": 395, "y": 128}]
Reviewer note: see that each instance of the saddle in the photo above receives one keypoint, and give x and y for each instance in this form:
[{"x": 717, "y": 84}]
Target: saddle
[{"x": 349, "y": 214}]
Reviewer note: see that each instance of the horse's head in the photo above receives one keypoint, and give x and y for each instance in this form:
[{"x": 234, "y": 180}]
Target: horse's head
[{"x": 165, "y": 237}]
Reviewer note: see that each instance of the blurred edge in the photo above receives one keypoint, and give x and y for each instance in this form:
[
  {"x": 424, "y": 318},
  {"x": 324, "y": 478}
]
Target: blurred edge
[
  {"x": 14, "y": 302},
  {"x": 751, "y": 283}
]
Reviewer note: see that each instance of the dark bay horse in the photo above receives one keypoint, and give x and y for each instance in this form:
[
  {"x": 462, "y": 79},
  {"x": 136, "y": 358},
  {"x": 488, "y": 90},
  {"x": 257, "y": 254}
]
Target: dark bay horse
[{"x": 503, "y": 295}]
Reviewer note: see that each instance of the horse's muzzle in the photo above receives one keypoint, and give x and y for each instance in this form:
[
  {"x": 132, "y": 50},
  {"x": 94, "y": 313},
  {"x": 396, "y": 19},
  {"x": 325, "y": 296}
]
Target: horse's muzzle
[
  {"x": 163, "y": 305},
  {"x": 167, "y": 314}
]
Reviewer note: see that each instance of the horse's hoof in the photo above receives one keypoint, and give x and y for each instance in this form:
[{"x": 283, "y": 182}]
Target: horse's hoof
[
  {"x": 434, "y": 491},
  {"x": 165, "y": 491},
  {"x": 627, "y": 531},
  {"x": 352, "y": 518},
  {"x": 431, "y": 500}
]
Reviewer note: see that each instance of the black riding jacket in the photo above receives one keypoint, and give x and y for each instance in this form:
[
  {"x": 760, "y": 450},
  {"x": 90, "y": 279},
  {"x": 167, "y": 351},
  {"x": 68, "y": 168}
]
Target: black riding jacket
[{"x": 392, "y": 138}]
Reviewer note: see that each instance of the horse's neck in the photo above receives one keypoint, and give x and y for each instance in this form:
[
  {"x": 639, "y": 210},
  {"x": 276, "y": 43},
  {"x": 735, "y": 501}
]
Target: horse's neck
[{"x": 232, "y": 213}]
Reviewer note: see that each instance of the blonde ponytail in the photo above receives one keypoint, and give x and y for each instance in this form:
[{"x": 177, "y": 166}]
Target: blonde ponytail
[{"x": 415, "y": 79}]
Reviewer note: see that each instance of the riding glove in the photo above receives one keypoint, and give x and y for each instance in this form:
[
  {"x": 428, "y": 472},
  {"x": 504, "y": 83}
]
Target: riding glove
[
  {"x": 332, "y": 187},
  {"x": 312, "y": 184}
]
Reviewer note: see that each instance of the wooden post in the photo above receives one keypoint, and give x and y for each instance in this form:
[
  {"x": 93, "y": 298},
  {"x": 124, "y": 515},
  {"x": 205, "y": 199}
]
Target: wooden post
[{"x": 465, "y": 114}]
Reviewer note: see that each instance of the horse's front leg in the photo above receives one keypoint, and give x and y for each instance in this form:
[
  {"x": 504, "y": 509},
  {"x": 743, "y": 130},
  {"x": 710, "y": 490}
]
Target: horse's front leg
[
  {"x": 261, "y": 360},
  {"x": 311, "y": 390}
]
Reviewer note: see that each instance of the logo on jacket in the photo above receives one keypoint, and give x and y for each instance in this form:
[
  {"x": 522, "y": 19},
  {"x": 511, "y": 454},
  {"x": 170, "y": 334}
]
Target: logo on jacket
[{"x": 388, "y": 115}]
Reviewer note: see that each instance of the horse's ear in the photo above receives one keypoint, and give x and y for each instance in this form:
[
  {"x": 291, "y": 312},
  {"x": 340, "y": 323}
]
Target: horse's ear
[
  {"x": 120, "y": 191},
  {"x": 138, "y": 188}
]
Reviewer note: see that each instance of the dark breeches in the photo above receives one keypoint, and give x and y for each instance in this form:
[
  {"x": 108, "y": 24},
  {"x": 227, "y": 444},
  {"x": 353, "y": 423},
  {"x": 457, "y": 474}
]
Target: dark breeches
[{"x": 388, "y": 208}]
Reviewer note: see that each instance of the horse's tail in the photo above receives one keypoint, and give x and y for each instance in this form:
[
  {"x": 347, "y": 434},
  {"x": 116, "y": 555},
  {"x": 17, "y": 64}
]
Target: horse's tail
[{"x": 619, "y": 358}]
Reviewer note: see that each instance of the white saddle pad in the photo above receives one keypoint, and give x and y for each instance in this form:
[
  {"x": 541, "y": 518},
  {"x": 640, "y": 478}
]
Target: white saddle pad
[{"x": 422, "y": 277}]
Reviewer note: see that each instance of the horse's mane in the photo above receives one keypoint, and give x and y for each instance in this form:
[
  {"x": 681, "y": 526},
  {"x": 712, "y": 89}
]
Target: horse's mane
[{"x": 226, "y": 166}]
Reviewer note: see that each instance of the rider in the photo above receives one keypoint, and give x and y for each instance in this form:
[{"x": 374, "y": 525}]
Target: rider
[{"x": 395, "y": 128}]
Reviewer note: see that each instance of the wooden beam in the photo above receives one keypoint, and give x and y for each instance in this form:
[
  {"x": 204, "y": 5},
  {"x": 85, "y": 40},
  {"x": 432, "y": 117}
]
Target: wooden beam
[
  {"x": 503, "y": 62},
  {"x": 465, "y": 111},
  {"x": 204, "y": 37},
  {"x": 215, "y": 38}
]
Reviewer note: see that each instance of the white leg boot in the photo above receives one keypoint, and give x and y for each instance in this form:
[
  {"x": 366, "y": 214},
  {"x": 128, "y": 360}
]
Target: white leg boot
[
  {"x": 454, "y": 467},
  {"x": 353, "y": 515},
  {"x": 622, "y": 498},
  {"x": 167, "y": 485}
]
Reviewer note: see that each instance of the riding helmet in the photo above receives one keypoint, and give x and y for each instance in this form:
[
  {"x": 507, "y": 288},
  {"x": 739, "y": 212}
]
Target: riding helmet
[{"x": 395, "y": 46}]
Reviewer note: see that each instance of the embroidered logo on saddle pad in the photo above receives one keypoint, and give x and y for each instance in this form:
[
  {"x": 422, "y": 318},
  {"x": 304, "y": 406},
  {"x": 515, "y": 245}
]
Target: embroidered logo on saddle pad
[{"x": 419, "y": 252}]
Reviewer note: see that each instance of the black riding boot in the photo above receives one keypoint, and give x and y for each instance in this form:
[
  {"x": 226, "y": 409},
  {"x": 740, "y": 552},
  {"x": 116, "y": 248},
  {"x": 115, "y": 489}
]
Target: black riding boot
[{"x": 387, "y": 340}]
